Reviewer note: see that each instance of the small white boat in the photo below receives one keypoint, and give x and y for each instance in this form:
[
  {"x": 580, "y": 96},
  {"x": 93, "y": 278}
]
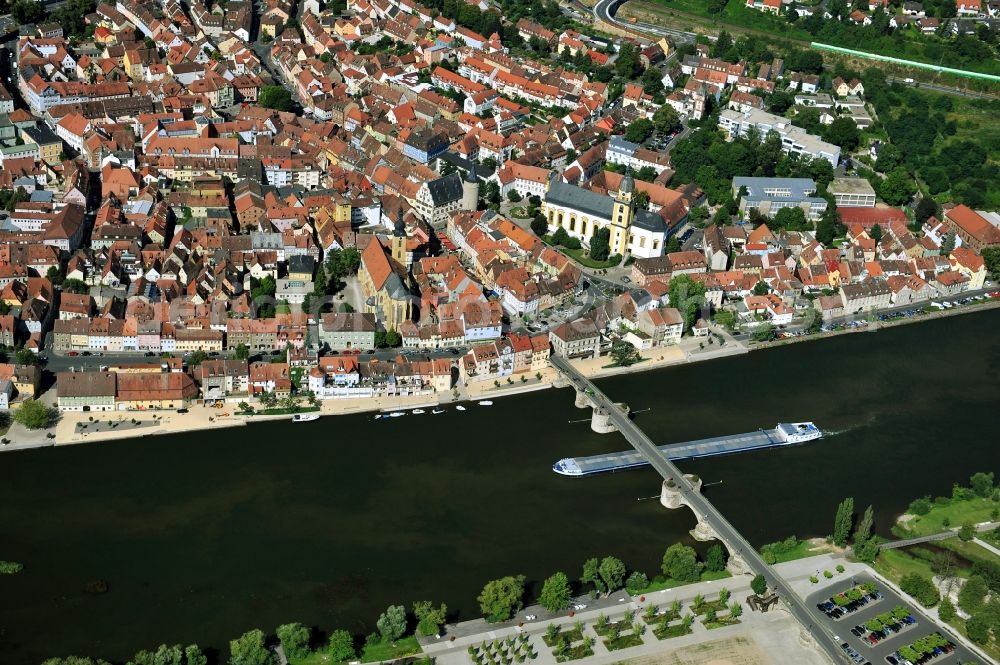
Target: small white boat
[
  {"x": 418, "y": 411},
  {"x": 377, "y": 416},
  {"x": 397, "y": 414},
  {"x": 486, "y": 402},
  {"x": 305, "y": 417},
  {"x": 437, "y": 411},
  {"x": 460, "y": 408}
]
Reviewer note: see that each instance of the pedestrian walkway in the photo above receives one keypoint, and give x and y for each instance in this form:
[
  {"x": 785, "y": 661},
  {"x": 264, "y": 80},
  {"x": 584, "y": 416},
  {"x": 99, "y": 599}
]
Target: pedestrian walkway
[
  {"x": 776, "y": 629},
  {"x": 985, "y": 545}
]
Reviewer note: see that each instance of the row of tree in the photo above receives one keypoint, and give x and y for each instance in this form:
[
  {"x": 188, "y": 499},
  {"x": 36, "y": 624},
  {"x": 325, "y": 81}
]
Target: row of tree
[
  {"x": 864, "y": 542},
  {"x": 296, "y": 639},
  {"x": 501, "y": 599}
]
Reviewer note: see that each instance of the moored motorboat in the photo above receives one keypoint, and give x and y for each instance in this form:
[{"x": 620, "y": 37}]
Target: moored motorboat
[
  {"x": 437, "y": 411},
  {"x": 305, "y": 417},
  {"x": 418, "y": 411},
  {"x": 397, "y": 414},
  {"x": 486, "y": 402},
  {"x": 460, "y": 408}
]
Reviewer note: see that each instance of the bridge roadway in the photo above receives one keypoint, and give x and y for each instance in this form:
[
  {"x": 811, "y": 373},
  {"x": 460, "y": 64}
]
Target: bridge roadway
[{"x": 704, "y": 510}]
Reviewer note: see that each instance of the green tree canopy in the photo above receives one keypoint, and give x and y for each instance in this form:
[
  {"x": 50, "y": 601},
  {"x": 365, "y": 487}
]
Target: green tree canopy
[
  {"x": 688, "y": 297},
  {"x": 624, "y": 354},
  {"x": 501, "y": 598},
  {"x": 173, "y": 654},
  {"x": 843, "y": 131},
  {"x": 600, "y": 245},
  {"x": 982, "y": 484},
  {"x": 897, "y": 188},
  {"x": 591, "y": 575},
  {"x": 680, "y": 563},
  {"x": 392, "y": 623},
  {"x": 276, "y": 97},
  {"x": 33, "y": 415},
  {"x": 294, "y": 639},
  {"x": 250, "y": 649},
  {"x": 666, "y": 119},
  {"x": 715, "y": 558},
  {"x": 429, "y": 618},
  {"x": 972, "y": 596},
  {"x": 639, "y": 130},
  {"x": 612, "y": 571},
  {"x": 555, "y": 593},
  {"x": 920, "y": 588},
  {"x": 978, "y": 629},
  {"x": 540, "y": 226},
  {"x": 842, "y": 521},
  {"x": 341, "y": 647}
]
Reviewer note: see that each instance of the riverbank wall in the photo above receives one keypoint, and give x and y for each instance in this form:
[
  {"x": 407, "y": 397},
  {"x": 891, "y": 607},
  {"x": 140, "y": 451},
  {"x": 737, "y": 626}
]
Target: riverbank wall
[
  {"x": 201, "y": 418},
  {"x": 877, "y": 325}
]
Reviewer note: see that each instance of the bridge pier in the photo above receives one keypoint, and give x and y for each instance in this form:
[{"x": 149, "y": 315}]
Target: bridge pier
[
  {"x": 737, "y": 565},
  {"x": 670, "y": 492},
  {"x": 600, "y": 422},
  {"x": 671, "y": 497},
  {"x": 703, "y": 531},
  {"x": 582, "y": 401}
]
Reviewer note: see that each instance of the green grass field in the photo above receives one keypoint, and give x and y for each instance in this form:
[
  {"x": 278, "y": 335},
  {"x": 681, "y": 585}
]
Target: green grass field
[
  {"x": 803, "y": 550},
  {"x": 955, "y": 513},
  {"x": 661, "y": 584}
]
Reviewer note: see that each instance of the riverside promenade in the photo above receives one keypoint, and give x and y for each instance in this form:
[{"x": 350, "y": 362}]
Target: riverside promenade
[
  {"x": 759, "y": 638},
  {"x": 67, "y": 428}
]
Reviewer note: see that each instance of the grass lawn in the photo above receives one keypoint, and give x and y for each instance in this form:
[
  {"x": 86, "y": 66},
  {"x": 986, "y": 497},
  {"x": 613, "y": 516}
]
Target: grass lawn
[
  {"x": 319, "y": 657},
  {"x": 704, "y": 608},
  {"x": 895, "y": 564},
  {"x": 665, "y": 631},
  {"x": 623, "y": 642},
  {"x": 659, "y": 619},
  {"x": 569, "y": 645},
  {"x": 721, "y": 622},
  {"x": 574, "y": 635},
  {"x": 659, "y": 584},
  {"x": 388, "y": 651},
  {"x": 575, "y": 653},
  {"x": 992, "y": 648},
  {"x": 582, "y": 256},
  {"x": 955, "y": 512},
  {"x": 801, "y": 551},
  {"x": 968, "y": 550}
]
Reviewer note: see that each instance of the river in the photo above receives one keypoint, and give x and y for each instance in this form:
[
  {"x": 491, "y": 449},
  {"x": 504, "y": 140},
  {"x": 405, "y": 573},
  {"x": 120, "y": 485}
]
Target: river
[{"x": 202, "y": 536}]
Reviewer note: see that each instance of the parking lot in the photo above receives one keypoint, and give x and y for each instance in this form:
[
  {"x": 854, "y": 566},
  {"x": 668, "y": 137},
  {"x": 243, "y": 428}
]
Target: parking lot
[{"x": 906, "y": 634}]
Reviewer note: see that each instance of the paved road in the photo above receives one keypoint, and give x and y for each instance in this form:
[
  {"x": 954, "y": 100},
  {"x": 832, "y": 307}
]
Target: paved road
[
  {"x": 605, "y": 10},
  {"x": 706, "y": 511}
]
